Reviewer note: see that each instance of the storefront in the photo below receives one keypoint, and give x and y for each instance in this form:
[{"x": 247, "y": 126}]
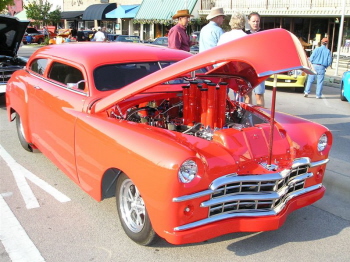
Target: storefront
[{"x": 95, "y": 15}]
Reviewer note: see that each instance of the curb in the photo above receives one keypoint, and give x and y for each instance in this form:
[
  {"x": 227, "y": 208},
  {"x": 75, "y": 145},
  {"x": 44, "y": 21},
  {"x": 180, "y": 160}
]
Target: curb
[{"x": 332, "y": 81}]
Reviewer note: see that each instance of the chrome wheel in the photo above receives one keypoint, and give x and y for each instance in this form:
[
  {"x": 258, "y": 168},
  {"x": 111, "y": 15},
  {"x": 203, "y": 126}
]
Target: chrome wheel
[
  {"x": 132, "y": 206},
  {"x": 133, "y": 213}
]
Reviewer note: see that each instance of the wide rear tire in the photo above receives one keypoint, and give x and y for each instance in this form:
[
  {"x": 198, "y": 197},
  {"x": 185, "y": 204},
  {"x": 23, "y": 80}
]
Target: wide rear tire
[
  {"x": 132, "y": 213},
  {"x": 342, "y": 97}
]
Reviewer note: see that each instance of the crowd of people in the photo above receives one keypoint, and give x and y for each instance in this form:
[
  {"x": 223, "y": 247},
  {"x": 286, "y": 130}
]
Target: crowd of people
[{"x": 212, "y": 35}]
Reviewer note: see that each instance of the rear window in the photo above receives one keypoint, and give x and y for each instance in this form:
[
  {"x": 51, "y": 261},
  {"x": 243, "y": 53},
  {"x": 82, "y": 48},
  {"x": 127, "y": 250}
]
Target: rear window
[{"x": 32, "y": 31}]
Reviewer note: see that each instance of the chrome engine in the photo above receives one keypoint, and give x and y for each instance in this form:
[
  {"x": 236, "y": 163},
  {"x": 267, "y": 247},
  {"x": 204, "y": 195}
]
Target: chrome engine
[{"x": 201, "y": 110}]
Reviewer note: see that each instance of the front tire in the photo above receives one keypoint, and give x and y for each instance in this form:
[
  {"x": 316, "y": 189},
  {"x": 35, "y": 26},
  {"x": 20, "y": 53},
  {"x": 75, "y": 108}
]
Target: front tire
[
  {"x": 21, "y": 135},
  {"x": 132, "y": 212}
]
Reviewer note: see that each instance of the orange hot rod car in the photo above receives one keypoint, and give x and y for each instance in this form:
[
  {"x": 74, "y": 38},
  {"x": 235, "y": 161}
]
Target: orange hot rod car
[{"x": 154, "y": 127}]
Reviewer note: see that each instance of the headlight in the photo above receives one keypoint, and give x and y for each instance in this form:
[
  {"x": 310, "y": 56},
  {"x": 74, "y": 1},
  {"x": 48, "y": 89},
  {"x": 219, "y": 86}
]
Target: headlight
[
  {"x": 188, "y": 171},
  {"x": 295, "y": 73},
  {"x": 322, "y": 143}
]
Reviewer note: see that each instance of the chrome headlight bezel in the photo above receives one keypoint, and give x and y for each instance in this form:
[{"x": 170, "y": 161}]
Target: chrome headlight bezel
[
  {"x": 188, "y": 171},
  {"x": 322, "y": 143}
]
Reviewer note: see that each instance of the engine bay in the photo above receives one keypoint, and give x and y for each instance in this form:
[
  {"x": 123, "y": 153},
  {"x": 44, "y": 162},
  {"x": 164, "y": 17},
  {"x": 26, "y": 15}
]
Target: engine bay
[{"x": 199, "y": 110}]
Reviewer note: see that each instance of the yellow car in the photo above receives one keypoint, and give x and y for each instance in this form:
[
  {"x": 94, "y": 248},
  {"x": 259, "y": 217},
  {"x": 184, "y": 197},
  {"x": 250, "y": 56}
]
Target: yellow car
[{"x": 295, "y": 79}]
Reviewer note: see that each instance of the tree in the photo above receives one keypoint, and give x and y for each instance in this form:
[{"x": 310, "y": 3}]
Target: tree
[
  {"x": 4, "y": 4},
  {"x": 39, "y": 11}
]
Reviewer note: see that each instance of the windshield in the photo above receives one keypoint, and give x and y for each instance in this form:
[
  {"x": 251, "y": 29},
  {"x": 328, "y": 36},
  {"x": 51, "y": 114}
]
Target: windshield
[{"x": 116, "y": 76}]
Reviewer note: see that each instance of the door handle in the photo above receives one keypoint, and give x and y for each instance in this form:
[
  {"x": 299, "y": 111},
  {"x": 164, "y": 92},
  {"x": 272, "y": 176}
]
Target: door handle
[{"x": 37, "y": 87}]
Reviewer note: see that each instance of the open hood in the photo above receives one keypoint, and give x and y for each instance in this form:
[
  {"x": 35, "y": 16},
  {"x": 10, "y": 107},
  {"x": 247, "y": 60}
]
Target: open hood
[
  {"x": 250, "y": 60},
  {"x": 11, "y": 33}
]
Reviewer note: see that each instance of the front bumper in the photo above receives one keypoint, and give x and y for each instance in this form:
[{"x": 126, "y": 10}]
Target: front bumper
[
  {"x": 287, "y": 81},
  {"x": 249, "y": 203},
  {"x": 2, "y": 88},
  {"x": 244, "y": 224}
]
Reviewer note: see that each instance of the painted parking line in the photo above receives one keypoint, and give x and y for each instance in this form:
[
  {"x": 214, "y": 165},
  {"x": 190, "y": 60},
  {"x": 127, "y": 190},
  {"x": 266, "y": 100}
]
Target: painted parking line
[
  {"x": 17, "y": 243},
  {"x": 21, "y": 175}
]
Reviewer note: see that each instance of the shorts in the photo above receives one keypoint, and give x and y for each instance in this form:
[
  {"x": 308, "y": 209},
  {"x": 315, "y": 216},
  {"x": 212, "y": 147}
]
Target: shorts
[{"x": 260, "y": 89}]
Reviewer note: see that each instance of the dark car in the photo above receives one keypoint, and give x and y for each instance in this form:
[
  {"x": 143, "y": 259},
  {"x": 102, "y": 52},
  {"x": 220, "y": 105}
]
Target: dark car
[
  {"x": 11, "y": 33},
  {"x": 128, "y": 38},
  {"x": 32, "y": 35}
]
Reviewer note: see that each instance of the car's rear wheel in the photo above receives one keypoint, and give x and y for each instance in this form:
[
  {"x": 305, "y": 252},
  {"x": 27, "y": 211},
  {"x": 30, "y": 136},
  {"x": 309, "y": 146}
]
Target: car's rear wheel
[
  {"x": 132, "y": 212},
  {"x": 40, "y": 41},
  {"x": 21, "y": 135},
  {"x": 342, "y": 97}
]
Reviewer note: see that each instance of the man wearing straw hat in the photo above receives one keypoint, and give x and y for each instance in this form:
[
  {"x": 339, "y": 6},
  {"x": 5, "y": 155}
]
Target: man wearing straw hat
[
  {"x": 177, "y": 37},
  {"x": 210, "y": 34}
]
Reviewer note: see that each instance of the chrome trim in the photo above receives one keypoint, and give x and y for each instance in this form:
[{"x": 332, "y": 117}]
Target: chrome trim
[
  {"x": 256, "y": 196},
  {"x": 63, "y": 86},
  {"x": 302, "y": 68},
  {"x": 319, "y": 163},
  {"x": 234, "y": 177},
  {"x": 247, "y": 214}
]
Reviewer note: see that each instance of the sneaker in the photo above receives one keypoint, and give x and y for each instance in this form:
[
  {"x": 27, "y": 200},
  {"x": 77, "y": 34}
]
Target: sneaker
[
  {"x": 305, "y": 95},
  {"x": 318, "y": 97}
]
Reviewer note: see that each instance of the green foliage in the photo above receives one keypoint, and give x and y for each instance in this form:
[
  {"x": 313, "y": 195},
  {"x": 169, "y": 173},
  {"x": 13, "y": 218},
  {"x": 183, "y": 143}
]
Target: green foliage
[
  {"x": 39, "y": 11},
  {"x": 46, "y": 41},
  {"x": 4, "y": 4}
]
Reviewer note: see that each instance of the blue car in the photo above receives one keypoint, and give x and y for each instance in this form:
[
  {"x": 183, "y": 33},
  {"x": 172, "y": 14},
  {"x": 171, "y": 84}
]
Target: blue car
[{"x": 345, "y": 87}]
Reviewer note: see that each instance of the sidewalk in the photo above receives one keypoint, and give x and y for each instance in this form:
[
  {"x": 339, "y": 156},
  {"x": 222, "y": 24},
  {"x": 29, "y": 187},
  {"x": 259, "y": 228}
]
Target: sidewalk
[{"x": 334, "y": 80}]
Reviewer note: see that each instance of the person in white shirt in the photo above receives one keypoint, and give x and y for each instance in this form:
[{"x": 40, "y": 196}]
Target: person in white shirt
[
  {"x": 237, "y": 24},
  {"x": 99, "y": 35}
]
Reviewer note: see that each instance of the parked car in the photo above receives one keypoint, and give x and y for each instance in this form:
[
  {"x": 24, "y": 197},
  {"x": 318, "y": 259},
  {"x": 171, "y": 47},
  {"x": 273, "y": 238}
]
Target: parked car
[
  {"x": 11, "y": 33},
  {"x": 32, "y": 35},
  {"x": 195, "y": 42},
  {"x": 345, "y": 87},
  {"x": 128, "y": 38},
  {"x": 47, "y": 33},
  {"x": 154, "y": 128},
  {"x": 161, "y": 41},
  {"x": 293, "y": 79}
]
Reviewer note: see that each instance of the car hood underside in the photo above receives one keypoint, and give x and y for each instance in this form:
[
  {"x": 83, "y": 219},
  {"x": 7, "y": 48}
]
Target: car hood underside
[{"x": 241, "y": 59}]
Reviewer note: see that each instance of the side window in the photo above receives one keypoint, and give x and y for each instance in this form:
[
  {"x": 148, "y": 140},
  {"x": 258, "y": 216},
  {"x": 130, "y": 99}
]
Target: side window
[
  {"x": 38, "y": 66},
  {"x": 66, "y": 74}
]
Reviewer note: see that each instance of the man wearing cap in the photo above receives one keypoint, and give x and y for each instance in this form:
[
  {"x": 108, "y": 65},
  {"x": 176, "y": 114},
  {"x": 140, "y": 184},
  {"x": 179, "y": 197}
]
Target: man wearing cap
[
  {"x": 321, "y": 58},
  {"x": 210, "y": 34},
  {"x": 177, "y": 37},
  {"x": 99, "y": 35}
]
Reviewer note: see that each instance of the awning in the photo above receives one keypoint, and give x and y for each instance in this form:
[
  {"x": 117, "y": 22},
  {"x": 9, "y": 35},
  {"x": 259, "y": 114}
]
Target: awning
[
  {"x": 71, "y": 14},
  {"x": 124, "y": 11},
  {"x": 98, "y": 11},
  {"x": 160, "y": 11}
]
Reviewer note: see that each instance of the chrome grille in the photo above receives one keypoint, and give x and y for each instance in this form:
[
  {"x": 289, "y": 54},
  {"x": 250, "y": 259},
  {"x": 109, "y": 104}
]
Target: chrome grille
[
  {"x": 6, "y": 73},
  {"x": 257, "y": 193}
]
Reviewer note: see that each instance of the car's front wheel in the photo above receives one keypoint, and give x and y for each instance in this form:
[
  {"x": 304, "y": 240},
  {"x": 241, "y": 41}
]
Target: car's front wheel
[
  {"x": 342, "y": 97},
  {"x": 132, "y": 212},
  {"x": 21, "y": 135}
]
